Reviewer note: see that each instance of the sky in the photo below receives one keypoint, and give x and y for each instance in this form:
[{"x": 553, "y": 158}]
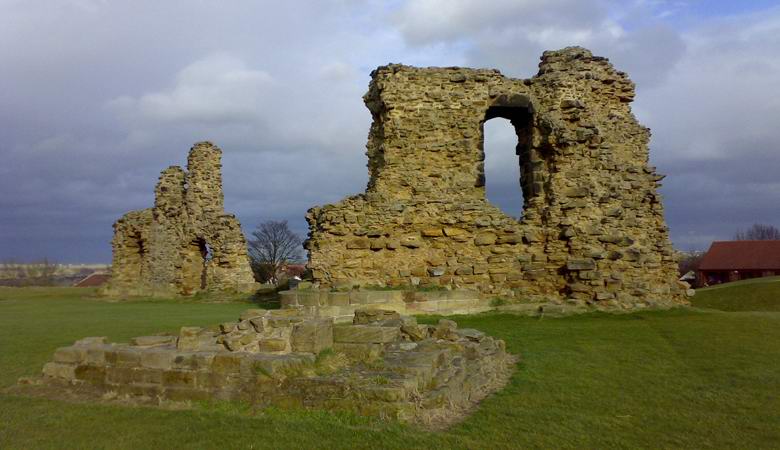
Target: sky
[{"x": 98, "y": 96}]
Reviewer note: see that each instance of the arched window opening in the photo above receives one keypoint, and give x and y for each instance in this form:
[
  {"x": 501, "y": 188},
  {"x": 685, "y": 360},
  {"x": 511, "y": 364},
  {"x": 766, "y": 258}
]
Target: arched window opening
[
  {"x": 505, "y": 145},
  {"x": 196, "y": 257}
]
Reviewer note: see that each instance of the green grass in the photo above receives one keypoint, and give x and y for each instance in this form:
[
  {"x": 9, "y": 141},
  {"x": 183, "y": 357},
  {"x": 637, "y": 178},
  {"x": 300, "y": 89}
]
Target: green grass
[
  {"x": 758, "y": 294},
  {"x": 674, "y": 379}
]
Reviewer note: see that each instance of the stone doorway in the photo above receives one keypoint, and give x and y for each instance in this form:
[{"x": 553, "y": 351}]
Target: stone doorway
[
  {"x": 196, "y": 257},
  {"x": 136, "y": 254}
]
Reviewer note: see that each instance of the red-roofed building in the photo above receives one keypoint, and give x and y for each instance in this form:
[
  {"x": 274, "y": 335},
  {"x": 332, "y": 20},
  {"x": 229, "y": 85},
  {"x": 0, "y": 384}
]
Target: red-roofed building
[
  {"x": 738, "y": 260},
  {"x": 93, "y": 280}
]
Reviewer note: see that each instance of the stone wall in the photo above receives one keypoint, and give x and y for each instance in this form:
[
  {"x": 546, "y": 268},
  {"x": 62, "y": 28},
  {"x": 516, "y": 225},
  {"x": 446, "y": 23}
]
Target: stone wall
[
  {"x": 341, "y": 305},
  {"x": 592, "y": 229},
  {"x": 186, "y": 243},
  {"x": 382, "y": 364}
]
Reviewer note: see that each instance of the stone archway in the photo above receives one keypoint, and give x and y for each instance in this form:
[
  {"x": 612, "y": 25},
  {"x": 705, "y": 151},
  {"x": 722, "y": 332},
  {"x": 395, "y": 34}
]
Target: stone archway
[
  {"x": 521, "y": 120},
  {"x": 194, "y": 270}
]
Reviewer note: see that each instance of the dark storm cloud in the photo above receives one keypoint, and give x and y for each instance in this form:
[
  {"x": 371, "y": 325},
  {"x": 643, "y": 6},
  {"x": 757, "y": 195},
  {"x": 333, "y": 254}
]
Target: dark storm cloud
[{"x": 97, "y": 97}]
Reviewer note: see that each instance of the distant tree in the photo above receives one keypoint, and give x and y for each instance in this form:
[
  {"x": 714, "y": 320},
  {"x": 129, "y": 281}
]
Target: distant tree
[
  {"x": 758, "y": 232},
  {"x": 689, "y": 262},
  {"x": 271, "y": 246},
  {"x": 45, "y": 271},
  {"x": 37, "y": 273}
]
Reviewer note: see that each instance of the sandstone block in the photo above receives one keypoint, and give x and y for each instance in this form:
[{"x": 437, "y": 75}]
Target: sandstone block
[
  {"x": 59, "y": 370},
  {"x": 365, "y": 316},
  {"x": 363, "y": 352},
  {"x": 432, "y": 232},
  {"x": 581, "y": 264},
  {"x": 157, "y": 358},
  {"x": 255, "y": 312},
  {"x": 312, "y": 336},
  {"x": 512, "y": 238},
  {"x": 446, "y": 329},
  {"x": 226, "y": 363},
  {"x": 272, "y": 345},
  {"x": 485, "y": 238},
  {"x": 358, "y": 244},
  {"x": 412, "y": 241},
  {"x": 93, "y": 374},
  {"x": 454, "y": 232},
  {"x": 70, "y": 355},
  {"x": 89, "y": 341},
  {"x": 364, "y": 334},
  {"x": 152, "y": 341}
]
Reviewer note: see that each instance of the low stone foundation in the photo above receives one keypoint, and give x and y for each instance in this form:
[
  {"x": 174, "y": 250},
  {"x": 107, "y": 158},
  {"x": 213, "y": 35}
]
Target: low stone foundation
[{"x": 382, "y": 364}]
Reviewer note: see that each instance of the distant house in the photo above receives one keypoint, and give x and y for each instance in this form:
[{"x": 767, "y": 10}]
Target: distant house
[
  {"x": 292, "y": 270},
  {"x": 93, "y": 280},
  {"x": 738, "y": 260}
]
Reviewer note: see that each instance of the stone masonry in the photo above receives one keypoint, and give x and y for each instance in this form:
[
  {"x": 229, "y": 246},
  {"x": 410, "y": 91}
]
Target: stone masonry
[
  {"x": 186, "y": 243},
  {"x": 592, "y": 230},
  {"x": 381, "y": 364}
]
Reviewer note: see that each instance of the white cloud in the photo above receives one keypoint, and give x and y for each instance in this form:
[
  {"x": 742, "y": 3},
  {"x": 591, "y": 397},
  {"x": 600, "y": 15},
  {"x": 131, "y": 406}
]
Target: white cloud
[{"x": 215, "y": 89}]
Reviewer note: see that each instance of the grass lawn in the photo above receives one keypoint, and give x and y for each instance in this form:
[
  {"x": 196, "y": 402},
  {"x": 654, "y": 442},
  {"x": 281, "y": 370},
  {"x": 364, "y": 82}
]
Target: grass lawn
[
  {"x": 757, "y": 294},
  {"x": 674, "y": 379}
]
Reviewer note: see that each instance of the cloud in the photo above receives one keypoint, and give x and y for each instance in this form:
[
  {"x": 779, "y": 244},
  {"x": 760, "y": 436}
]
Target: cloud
[
  {"x": 715, "y": 128},
  {"x": 216, "y": 89},
  {"x": 511, "y": 34},
  {"x": 92, "y": 109}
]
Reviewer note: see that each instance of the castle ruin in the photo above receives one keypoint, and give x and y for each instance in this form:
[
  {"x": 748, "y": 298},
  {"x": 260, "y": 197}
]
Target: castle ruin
[
  {"x": 186, "y": 243},
  {"x": 592, "y": 229}
]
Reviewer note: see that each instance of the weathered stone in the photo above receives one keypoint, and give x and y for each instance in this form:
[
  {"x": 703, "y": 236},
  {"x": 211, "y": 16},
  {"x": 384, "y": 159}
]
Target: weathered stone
[
  {"x": 471, "y": 334},
  {"x": 228, "y": 327},
  {"x": 157, "y": 359},
  {"x": 188, "y": 338},
  {"x": 70, "y": 355},
  {"x": 411, "y": 241},
  {"x": 312, "y": 335},
  {"x": 446, "y": 329},
  {"x": 59, "y": 370},
  {"x": 88, "y": 341},
  {"x": 186, "y": 243},
  {"x": 152, "y": 341},
  {"x": 364, "y": 352},
  {"x": 385, "y": 372},
  {"x": 272, "y": 345},
  {"x": 371, "y": 315},
  {"x": 432, "y": 232},
  {"x": 252, "y": 313},
  {"x": 362, "y": 334},
  {"x": 581, "y": 264},
  {"x": 359, "y": 243},
  {"x": 485, "y": 238},
  {"x": 582, "y": 157}
]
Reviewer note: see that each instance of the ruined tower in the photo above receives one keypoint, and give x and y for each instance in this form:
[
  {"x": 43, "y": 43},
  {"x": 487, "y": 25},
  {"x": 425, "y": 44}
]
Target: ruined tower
[
  {"x": 186, "y": 243},
  {"x": 592, "y": 229}
]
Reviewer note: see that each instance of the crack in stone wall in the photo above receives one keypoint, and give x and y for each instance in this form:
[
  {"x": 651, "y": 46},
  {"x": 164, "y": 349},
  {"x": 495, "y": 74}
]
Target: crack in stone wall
[
  {"x": 592, "y": 228},
  {"x": 186, "y": 243}
]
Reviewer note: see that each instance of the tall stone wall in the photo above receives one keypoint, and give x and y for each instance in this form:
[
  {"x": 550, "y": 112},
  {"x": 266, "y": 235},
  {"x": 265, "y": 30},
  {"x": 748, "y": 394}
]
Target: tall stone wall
[
  {"x": 186, "y": 243},
  {"x": 592, "y": 228}
]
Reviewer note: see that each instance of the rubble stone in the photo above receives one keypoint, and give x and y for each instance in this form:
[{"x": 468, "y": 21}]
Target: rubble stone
[
  {"x": 186, "y": 243},
  {"x": 371, "y": 367},
  {"x": 591, "y": 206}
]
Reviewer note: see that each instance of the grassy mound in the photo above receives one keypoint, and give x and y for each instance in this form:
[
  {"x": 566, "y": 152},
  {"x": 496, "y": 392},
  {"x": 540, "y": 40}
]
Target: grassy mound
[
  {"x": 671, "y": 379},
  {"x": 758, "y": 294}
]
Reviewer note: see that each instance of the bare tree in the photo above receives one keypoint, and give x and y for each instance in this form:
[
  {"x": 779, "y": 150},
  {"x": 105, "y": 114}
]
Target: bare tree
[
  {"x": 689, "y": 261},
  {"x": 758, "y": 232},
  {"x": 271, "y": 246},
  {"x": 36, "y": 273}
]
